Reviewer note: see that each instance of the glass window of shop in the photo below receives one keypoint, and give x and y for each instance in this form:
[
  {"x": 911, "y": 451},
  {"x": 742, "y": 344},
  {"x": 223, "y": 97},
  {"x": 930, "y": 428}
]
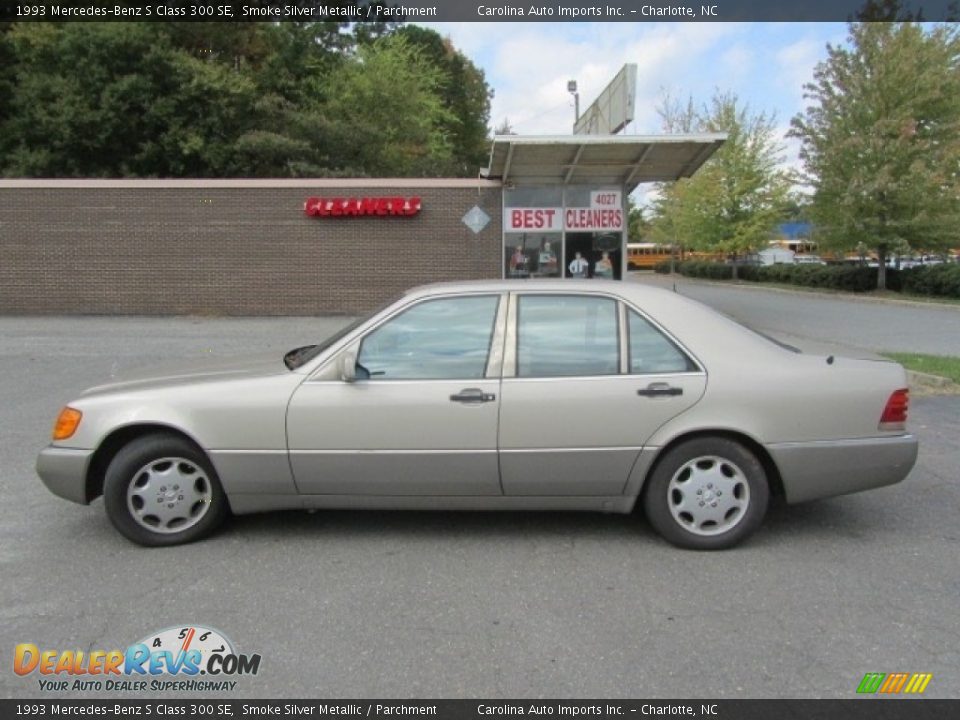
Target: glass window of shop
[
  {"x": 554, "y": 231},
  {"x": 533, "y": 236}
]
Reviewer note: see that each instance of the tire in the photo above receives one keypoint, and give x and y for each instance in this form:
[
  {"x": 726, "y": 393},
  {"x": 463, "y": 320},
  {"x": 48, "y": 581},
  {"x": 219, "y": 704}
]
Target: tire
[
  {"x": 708, "y": 493},
  {"x": 161, "y": 490}
]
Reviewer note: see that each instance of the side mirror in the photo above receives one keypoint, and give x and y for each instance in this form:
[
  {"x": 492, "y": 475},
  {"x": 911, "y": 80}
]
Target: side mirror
[{"x": 348, "y": 366}]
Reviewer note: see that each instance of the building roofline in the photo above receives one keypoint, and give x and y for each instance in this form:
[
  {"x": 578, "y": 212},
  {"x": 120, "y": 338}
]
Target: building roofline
[
  {"x": 610, "y": 139},
  {"x": 625, "y": 160},
  {"x": 339, "y": 184}
]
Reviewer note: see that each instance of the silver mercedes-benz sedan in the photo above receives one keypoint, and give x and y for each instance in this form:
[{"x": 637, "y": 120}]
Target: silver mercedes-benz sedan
[{"x": 499, "y": 395}]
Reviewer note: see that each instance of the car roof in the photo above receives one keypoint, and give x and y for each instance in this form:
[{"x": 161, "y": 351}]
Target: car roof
[
  {"x": 701, "y": 329},
  {"x": 613, "y": 287}
]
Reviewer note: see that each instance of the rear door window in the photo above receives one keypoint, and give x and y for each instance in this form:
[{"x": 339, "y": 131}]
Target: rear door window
[
  {"x": 651, "y": 351},
  {"x": 566, "y": 335}
]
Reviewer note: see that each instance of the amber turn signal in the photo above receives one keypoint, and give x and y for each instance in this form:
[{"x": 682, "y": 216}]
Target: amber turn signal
[{"x": 67, "y": 423}]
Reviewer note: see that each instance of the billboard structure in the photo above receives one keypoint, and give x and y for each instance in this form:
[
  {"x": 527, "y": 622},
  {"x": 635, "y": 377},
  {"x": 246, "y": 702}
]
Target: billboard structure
[{"x": 613, "y": 108}]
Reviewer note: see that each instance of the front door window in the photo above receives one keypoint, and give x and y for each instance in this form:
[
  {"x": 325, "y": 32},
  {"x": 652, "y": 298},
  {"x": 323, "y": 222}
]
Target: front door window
[{"x": 446, "y": 338}]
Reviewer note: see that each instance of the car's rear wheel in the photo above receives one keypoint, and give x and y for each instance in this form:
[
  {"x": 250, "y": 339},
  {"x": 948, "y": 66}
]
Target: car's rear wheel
[
  {"x": 161, "y": 490},
  {"x": 708, "y": 493}
]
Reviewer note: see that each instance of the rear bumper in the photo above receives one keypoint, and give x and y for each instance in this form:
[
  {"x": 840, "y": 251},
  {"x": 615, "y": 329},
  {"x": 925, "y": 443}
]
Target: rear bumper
[
  {"x": 64, "y": 472},
  {"x": 812, "y": 470}
]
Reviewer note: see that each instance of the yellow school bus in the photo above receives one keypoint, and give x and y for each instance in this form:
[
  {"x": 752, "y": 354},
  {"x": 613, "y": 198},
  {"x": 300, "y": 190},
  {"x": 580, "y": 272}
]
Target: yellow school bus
[{"x": 644, "y": 255}]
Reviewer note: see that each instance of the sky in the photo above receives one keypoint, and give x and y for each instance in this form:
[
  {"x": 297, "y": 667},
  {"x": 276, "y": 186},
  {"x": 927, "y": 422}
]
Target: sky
[{"x": 528, "y": 66}]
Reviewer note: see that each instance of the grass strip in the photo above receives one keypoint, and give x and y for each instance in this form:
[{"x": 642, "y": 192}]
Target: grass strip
[{"x": 941, "y": 365}]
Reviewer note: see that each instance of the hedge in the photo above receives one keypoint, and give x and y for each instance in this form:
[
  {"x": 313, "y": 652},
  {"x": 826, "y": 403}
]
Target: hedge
[{"x": 940, "y": 280}]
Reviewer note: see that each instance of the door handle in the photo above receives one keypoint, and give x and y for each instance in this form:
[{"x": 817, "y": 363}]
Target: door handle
[
  {"x": 473, "y": 395},
  {"x": 659, "y": 389}
]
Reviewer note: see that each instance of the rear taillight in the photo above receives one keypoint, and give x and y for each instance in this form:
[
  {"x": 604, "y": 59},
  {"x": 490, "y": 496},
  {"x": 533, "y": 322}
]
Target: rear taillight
[{"x": 895, "y": 413}]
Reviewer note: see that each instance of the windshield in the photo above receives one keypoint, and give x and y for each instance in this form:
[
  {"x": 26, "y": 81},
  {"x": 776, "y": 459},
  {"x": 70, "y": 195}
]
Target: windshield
[{"x": 302, "y": 355}]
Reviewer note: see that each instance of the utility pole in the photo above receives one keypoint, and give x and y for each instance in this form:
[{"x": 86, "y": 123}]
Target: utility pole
[{"x": 572, "y": 89}]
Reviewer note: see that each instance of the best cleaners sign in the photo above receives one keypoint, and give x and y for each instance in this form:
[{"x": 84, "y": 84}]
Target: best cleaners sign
[{"x": 605, "y": 213}]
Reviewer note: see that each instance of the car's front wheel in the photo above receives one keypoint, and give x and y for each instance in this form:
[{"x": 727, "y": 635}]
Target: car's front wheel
[
  {"x": 707, "y": 493},
  {"x": 161, "y": 490}
]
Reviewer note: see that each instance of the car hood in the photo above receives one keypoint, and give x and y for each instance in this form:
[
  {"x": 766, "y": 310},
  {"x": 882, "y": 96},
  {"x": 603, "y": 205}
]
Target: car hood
[{"x": 192, "y": 372}]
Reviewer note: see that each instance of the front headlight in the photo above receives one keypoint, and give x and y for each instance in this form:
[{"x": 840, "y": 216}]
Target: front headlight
[{"x": 67, "y": 423}]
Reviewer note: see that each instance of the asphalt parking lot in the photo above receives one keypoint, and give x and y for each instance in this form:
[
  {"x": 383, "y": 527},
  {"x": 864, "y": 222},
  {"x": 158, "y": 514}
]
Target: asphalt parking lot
[
  {"x": 827, "y": 318},
  {"x": 376, "y": 604}
]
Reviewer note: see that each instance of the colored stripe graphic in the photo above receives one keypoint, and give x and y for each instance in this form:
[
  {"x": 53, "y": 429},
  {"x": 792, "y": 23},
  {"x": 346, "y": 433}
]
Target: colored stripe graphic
[
  {"x": 918, "y": 683},
  {"x": 894, "y": 683},
  {"x": 871, "y": 682}
]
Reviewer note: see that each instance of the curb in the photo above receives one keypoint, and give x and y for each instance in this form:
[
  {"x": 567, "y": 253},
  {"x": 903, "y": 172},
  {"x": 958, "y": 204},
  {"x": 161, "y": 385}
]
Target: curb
[{"x": 924, "y": 383}]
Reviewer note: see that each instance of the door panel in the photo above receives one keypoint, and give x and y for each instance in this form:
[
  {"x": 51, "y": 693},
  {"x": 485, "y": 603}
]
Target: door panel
[
  {"x": 394, "y": 438},
  {"x": 581, "y": 436},
  {"x": 580, "y": 397},
  {"x": 421, "y": 419}
]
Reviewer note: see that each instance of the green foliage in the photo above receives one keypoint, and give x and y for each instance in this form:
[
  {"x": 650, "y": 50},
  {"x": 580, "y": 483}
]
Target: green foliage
[
  {"x": 705, "y": 269},
  {"x": 638, "y": 226},
  {"x": 734, "y": 201},
  {"x": 464, "y": 93},
  {"x": 937, "y": 280},
  {"x": 236, "y": 99},
  {"x": 385, "y": 112},
  {"x": 942, "y": 280},
  {"x": 881, "y": 139},
  {"x": 7, "y": 62},
  {"x": 942, "y": 365}
]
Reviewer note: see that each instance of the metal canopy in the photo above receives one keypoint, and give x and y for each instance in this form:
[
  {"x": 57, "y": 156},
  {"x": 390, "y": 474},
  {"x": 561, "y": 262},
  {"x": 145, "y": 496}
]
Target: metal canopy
[{"x": 625, "y": 160}]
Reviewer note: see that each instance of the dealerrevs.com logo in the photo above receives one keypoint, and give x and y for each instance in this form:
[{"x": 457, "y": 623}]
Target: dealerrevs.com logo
[{"x": 173, "y": 659}]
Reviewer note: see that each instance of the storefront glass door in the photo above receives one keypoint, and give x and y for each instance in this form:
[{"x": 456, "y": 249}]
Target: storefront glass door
[{"x": 574, "y": 232}]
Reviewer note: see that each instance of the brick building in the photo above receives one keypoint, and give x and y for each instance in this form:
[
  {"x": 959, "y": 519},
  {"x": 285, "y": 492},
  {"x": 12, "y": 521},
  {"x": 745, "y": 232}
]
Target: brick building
[{"x": 319, "y": 246}]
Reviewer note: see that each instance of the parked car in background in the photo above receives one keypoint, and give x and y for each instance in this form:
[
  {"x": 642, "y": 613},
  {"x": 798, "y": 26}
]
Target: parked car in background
[
  {"x": 776, "y": 255},
  {"x": 524, "y": 395},
  {"x": 750, "y": 259},
  {"x": 808, "y": 260}
]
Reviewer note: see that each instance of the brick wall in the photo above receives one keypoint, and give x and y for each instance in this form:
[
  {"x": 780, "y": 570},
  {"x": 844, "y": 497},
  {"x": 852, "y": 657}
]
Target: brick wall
[{"x": 247, "y": 248}]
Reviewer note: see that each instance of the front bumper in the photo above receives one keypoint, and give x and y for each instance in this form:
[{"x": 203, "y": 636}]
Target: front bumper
[
  {"x": 64, "y": 472},
  {"x": 813, "y": 470}
]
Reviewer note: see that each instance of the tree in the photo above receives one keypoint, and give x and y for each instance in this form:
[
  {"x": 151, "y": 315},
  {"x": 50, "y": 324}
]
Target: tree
[
  {"x": 119, "y": 99},
  {"x": 385, "y": 112},
  {"x": 637, "y": 223},
  {"x": 881, "y": 140},
  {"x": 237, "y": 99},
  {"x": 7, "y": 59},
  {"x": 464, "y": 93},
  {"x": 733, "y": 202}
]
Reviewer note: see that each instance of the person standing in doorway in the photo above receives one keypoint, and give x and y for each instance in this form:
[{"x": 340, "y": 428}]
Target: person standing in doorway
[
  {"x": 603, "y": 268},
  {"x": 518, "y": 263},
  {"x": 547, "y": 261},
  {"x": 578, "y": 267}
]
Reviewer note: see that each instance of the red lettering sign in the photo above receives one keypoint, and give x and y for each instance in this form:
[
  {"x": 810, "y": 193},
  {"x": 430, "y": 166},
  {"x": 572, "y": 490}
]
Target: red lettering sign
[
  {"x": 365, "y": 206},
  {"x": 533, "y": 218},
  {"x": 594, "y": 219}
]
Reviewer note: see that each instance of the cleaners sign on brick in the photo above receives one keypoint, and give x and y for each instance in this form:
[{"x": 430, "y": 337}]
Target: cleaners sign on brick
[{"x": 363, "y": 206}]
